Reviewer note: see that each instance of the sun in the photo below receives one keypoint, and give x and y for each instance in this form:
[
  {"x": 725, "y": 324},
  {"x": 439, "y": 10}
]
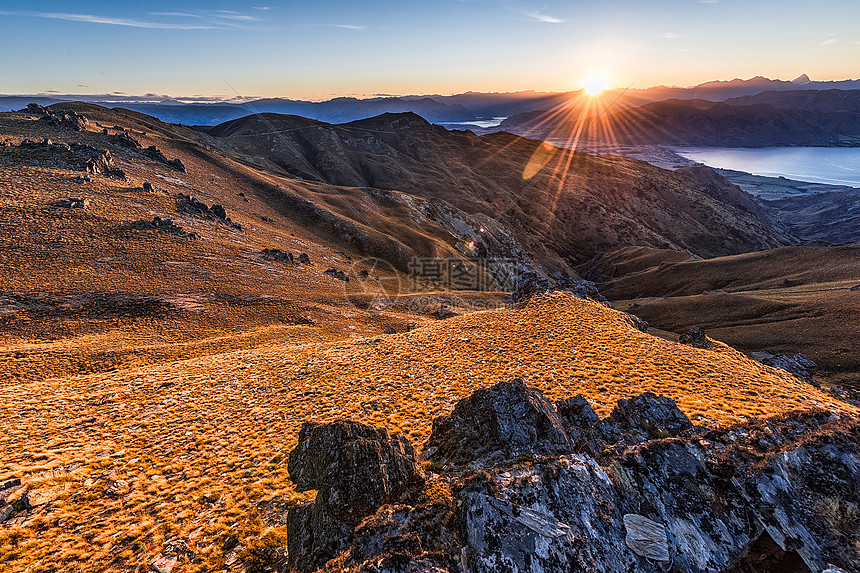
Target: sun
[{"x": 594, "y": 85}]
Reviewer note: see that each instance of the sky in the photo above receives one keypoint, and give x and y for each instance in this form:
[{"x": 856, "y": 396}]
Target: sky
[{"x": 329, "y": 48}]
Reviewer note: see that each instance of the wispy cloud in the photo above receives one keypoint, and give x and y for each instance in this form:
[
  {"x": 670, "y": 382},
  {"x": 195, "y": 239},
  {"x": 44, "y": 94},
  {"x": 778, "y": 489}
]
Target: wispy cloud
[
  {"x": 541, "y": 17},
  {"x": 204, "y": 20},
  {"x": 829, "y": 42},
  {"x": 97, "y": 19},
  {"x": 708, "y": 1},
  {"x": 669, "y": 35},
  {"x": 348, "y": 26}
]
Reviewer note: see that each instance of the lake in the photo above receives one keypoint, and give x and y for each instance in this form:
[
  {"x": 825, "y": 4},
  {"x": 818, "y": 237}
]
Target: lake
[{"x": 831, "y": 165}]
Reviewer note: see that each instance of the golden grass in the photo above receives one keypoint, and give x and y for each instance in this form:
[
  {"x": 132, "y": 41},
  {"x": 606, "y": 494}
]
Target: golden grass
[{"x": 189, "y": 449}]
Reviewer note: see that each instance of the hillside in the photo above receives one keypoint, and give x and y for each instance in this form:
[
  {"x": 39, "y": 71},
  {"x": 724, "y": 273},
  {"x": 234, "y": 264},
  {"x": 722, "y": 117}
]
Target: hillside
[
  {"x": 162, "y": 336},
  {"x": 134, "y": 462},
  {"x": 536, "y": 193},
  {"x": 785, "y": 301}
]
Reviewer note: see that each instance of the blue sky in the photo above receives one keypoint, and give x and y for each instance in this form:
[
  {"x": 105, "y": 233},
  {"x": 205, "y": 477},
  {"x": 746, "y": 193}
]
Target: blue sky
[{"x": 328, "y": 48}]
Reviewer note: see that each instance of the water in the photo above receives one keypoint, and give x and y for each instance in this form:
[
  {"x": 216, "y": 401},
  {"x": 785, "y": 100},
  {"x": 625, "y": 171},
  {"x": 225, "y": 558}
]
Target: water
[
  {"x": 486, "y": 123},
  {"x": 830, "y": 165}
]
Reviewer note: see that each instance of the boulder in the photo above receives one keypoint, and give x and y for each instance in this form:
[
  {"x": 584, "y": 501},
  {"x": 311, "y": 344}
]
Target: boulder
[
  {"x": 304, "y": 259},
  {"x": 336, "y": 274},
  {"x": 696, "y": 338},
  {"x": 499, "y": 423},
  {"x": 656, "y": 416},
  {"x": 800, "y": 365},
  {"x": 72, "y": 203},
  {"x": 355, "y": 469}
]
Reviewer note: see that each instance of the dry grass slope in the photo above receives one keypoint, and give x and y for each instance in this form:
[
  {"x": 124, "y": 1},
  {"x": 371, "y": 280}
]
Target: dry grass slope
[{"x": 186, "y": 452}]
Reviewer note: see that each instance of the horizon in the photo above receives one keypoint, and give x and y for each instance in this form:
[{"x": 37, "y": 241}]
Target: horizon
[
  {"x": 338, "y": 49},
  {"x": 119, "y": 97}
]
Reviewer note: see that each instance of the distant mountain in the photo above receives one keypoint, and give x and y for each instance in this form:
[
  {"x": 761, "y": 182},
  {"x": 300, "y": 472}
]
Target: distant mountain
[
  {"x": 821, "y": 101},
  {"x": 459, "y": 108},
  {"x": 699, "y": 123}
]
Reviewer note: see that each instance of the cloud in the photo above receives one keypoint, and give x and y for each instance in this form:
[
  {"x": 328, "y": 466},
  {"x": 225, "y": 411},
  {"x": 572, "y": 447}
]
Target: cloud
[
  {"x": 829, "y": 42},
  {"x": 669, "y": 35},
  {"x": 348, "y": 26},
  {"x": 708, "y": 1},
  {"x": 95, "y": 19},
  {"x": 541, "y": 17}
]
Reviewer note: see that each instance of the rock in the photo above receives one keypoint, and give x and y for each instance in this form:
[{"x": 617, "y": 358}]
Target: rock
[
  {"x": 577, "y": 416},
  {"x": 337, "y": 274},
  {"x": 800, "y": 365},
  {"x": 188, "y": 204},
  {"x": 147, "y": 186},
  {"x": 164, "y": 564},
  {"x": 72, "y": 203},
  {"x": 218, "y": 211},
  {"x": 658, "y": 417},
  {"x": 529, "y": 283},
  {"x": 63, "y": 119},
  {"x": 153, "y": 153},
  {"x": 696, "y": 338},
  {"x": 162, "y": 226},
  {"x": 123, "y": 139},
  {"x": 855, "y": 287},
  {"x": 635, "y": 321},
  {"x": 646, "y": 538},
  {"x": 776, "y": 495},
  {"x": 499, "y": 423},
  {"x": 389, "y": 330},
  {"x": 355, "y": 470},
  {"x": 304, "y": 259},
  {"x": 278, "y": 255},
  {"x": 363, "y": 273}
]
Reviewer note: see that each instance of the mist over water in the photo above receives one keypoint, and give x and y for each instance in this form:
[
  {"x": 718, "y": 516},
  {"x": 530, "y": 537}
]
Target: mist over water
[{"x": 831, "y": 165}]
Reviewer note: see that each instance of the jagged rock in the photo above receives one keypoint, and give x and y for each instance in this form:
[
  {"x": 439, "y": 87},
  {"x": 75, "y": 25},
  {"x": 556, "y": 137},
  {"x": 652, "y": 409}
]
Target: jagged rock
[
  {"x": 355, "y": 470},
  {"x": 635, "y": 321},
  {"x": 577, "y": 416},
  {"x": 190, "y": 205},
  {"x": 658, "y": 417},
  {"x": 278, "y": 255},
  {"x": 646, "y": 538},
  {"x": 778, "y": 495},
  {"x": 855, "y": 287},
  {"x": 65, "y": 119},
  {"x": 800, "y": 365},
  {"x": 162, "y": 226},
  {"x": 696, "y": 338},
  {"x": 123, "y": 139},
  {"x": 152, "y": 152},
  {"x": 530, "y": 283},
  {"x": 337, "y": 274},
  {"x": 72, "y": 203},
  {"x": 498, "y": 423},
  {"x": 147, "y": 186},
  {"x": 304, "y": 259}
]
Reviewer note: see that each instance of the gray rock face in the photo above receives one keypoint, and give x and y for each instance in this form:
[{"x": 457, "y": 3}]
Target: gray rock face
[
  {"x": 356, "y": 469},
  {"x": 496, "y": 424},
  {"x": 802, "y": 367},
  {"x": 658, "y": 417},
  {"x": 777, "y": 496}
]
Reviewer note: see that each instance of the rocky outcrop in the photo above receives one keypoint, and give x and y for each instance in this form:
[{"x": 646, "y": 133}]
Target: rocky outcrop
[
  {"x": 529, "y": 283},
  {"x": 192, "y": 206},
  {"x": 63, "y": 119},
  {"x": 800, "y": 365},
  {"x": 497, "y": 424},
  {"x": 776, "y": 495},
  {"x": 696, "y": 338},
  {"x": 336, "y": 274},
  {"x": 162, "y": 226},
  {"x": 355, "y": 470}
]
